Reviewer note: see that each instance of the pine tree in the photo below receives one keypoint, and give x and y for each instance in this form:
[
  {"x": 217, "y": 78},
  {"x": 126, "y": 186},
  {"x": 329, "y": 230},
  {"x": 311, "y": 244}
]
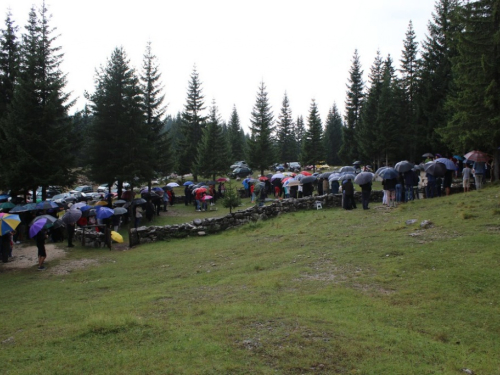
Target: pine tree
[
  {"x": 438, "y": 49},
  {"x": 354, "y": 102},
  {"x": 236, "y": 137},
  {"x": 261, "y": 153},
  {"x": 408, "y": 84},
  {"x": 312, "y": 145},
  {"x": 388, "y": 139},
  {"x": 284, "y": 133},
  {"x": 161, "y": 161},
  {"x": 367, "y": 133},
  {"x": 193, "y": 123},
  {"x": 333, "y": 136},
  {"x": 120, "y": 143},
  {"x": 475, "y": 123},
  {"x": 9, "y": 63},
  {"x": 213, "y": 154},
  {"x": 37, "y": 125},
  {"x": 300, "y": 131}
]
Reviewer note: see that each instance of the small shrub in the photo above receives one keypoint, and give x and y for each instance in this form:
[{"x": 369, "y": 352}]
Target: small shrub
[
  {"x": 466, "y": 215},
  {"x": 496, "y": 211}
]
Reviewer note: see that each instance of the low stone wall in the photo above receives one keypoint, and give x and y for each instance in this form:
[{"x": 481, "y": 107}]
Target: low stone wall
[{"x": 201, "y": 227}]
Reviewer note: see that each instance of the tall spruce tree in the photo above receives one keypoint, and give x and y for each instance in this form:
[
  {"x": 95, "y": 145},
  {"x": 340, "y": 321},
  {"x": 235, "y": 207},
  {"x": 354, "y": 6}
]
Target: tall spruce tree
[
  {"x": 355, "y": 93},
  {"x": 37, "y": 125},
  {"x": 162, "y": 160},
  {"x": 333, "y": 136},
  {"x": 313, "y": 150},
  {"x": 193, "y": 123},
  {"x": 284, "y": 133},
  {"x": 475, "y": 123},
  {"x": 260, "y": 146},
  {"x": 119, "y": 147},
  {"x": 213, "y": 154},
  {"x": 300, "y": 131},
  {"x": 9, "y": 63},
  {"x": 438, "y": 49},
  {"x": 388, "y": 120},
  {"x": 408, "y": 84},
  {"x": 236, "y": 137}
]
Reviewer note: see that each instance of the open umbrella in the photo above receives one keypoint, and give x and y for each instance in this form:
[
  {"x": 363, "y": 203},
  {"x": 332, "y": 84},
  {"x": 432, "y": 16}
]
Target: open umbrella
[
  {"x": 138, "y": 201},
  {"x": 458, "y": 157},
  {"x": 119, "y": 210},
  {"x": 447, "y": 162},
  {"x": 306, "y": 173},
  {"x": 325, "y": 174},
  {"x": 277, "y": 176},
  {"x": 363, "y": 178},
  {"x": 347, "y": 176},
  {"x": 46, "y": 205},
  {"x": 357, "y": 163},
  {"x": 222, "y": 179},
  {"x": 101, "y": 203},
  {"x": 18, "y": 208},
  {"x": 49, "y": 219},
  {"x": 292, "y": 183},
  {"x": 174, "y": 184},
  {"x": 403, "y": 166},
  {"x": 308, "y": 179},
  {"x": 334, "y": 176},
  {"x": 37, "y": 227},
  {"x": 478, "y": 156},
  {"x": 435, "y": 169},
  {"x": 427, "y": 155},
  {"x": 7, "y": 205},
  {"x": 117, "y": 237},
  {"x": 9, "y": 223},
  {"x": 388, "y": 173},
  {"x": 104, "y": 212},
  {"x": 187, "y": 183},
  {"x": 71, "y": 216},
  {"x": 205, "y": 197},
  {"x": 263, "y": 178},
  {"x": 348, "y": 168},
  {"x": 119, "y": 202},
  {"x": 78, "y": 205}
]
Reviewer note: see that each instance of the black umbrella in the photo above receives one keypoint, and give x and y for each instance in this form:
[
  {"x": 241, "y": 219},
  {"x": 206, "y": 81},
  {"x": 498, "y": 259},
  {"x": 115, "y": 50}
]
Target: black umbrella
[
  {"x": 403, "y": 166},
  {"x": 71, "y": 216},
  {"x": 388, "y": 173},
  {"x": 435, "y": 169},
  {"x": 308, "y": 179},
  {"x": 348, "y": 168},
  {"x": 138, "y": 201},
  {"x": 119, "y": 202},
  {"x": 357, "y": 163},
  {"x": 325, "y": 175}
]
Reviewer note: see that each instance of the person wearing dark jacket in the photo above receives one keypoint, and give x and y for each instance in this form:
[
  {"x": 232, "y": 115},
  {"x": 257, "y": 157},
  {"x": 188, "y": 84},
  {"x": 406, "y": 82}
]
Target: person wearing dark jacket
[
  {"x": 348, "y": 191},
  {"x": 366, "y": 190}
]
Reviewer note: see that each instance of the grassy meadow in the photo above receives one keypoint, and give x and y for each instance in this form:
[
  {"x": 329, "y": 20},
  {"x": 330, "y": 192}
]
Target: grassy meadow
[{"x": 327, "y": 291}]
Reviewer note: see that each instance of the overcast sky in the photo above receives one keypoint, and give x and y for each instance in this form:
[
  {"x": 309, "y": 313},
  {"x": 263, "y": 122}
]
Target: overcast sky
[{"x": 302, "y": 47}]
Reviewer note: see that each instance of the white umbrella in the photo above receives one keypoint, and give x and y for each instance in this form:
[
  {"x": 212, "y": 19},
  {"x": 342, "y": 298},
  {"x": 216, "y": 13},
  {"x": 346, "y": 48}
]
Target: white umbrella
[
  {"x": 173, "y": 184},
  {"x": 277, "y": 175}
]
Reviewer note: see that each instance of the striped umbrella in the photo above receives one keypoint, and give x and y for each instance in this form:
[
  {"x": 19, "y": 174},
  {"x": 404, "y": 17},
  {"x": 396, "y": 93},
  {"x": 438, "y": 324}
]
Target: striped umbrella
[{"x": 9, "y": 223}]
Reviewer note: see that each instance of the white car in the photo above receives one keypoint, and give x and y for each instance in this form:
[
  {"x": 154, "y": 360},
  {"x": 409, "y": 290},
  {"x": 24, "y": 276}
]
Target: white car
[{"x": 104, "y": 188}]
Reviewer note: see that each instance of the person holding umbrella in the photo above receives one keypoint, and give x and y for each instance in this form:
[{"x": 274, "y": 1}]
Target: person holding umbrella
[{"x": 40, "y": 244}]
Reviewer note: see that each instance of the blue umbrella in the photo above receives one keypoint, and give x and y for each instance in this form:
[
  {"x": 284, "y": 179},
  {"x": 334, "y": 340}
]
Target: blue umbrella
[
  {"x": 156, "y": 188},
  {"x": 18, "y": 208},
  {"x": 447, "y": 162},
  {"x": 104, "y": 212},
  {"x": 187, "y": 183},
  {"x": 37, "y": 226},
  {"x": 46, "y": 205},
  {"x": 388, "y": 173}
]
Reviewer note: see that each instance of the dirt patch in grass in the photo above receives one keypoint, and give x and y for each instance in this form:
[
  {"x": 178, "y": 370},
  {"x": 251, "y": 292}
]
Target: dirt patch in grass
[{"x": 27, "y": 257}]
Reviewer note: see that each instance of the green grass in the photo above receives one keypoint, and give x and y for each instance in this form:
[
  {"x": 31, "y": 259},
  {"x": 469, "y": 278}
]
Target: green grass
[{"x": 329, "y": 291}]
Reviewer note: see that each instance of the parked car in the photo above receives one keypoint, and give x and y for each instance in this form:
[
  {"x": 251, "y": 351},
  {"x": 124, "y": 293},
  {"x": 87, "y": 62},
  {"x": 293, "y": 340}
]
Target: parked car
[
  {"x": 240, "y": 172},
  {"x": 82, "y": 189},
  {"x": 294, "y": 167},
  {"x": 279, "y": 168},
  {"x": 104, "y": 188},
  {"x": 238, "y": 164}
]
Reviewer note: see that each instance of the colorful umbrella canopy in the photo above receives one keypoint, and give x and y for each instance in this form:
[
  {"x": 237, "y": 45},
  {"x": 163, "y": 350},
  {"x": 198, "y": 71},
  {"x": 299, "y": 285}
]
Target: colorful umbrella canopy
[
  {"x": 478, "y": 156},
  {"x": 37, "y": 227},
  {"x": 9, "y": 223}
]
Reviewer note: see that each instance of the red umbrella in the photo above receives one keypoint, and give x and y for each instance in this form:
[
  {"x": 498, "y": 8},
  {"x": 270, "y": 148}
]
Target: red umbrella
[
  {"x": 285, "y": 179},
  {"x": 222, "y": 179},
  {"x": 306, "y": 173},
  {"x": 263, "y": 178},
  {"x": 477, "y": 156}
]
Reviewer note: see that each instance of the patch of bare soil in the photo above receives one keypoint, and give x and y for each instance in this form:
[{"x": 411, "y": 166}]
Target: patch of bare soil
[{"x": 27, "y": 257}]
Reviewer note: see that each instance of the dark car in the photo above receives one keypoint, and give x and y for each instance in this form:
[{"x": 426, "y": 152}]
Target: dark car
[
  {"x": 240, "y": 172},
  {"x": 294, "y": 167},
  {"x": 238, "y": 164},
  {"x": 279, "y": 168}
]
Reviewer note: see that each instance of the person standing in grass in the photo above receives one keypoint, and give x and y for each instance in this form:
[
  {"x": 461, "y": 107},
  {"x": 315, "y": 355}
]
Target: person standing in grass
[
  {"x": 366, "y": 190},
  {"x": 466, "y": 173},
  {"x": 40, "y": 244}
]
